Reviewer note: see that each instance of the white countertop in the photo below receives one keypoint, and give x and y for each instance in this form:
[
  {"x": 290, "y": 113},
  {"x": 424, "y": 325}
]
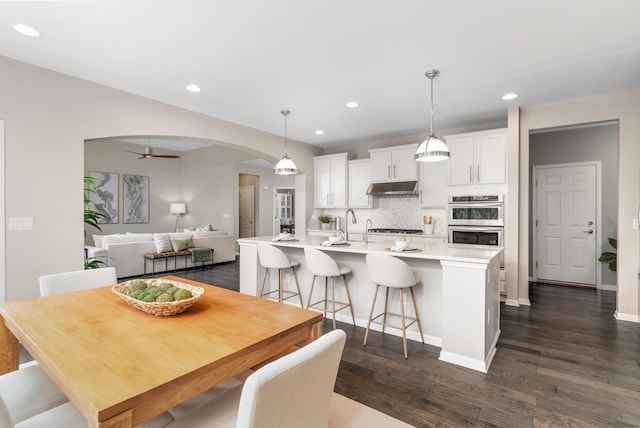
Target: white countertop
[
  {"x": 425, "y": 250},
  {"x": 380, "y": 235}
]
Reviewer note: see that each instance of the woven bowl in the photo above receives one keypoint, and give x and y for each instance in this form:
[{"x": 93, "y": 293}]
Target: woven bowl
[{"x": 159, "y": 309}]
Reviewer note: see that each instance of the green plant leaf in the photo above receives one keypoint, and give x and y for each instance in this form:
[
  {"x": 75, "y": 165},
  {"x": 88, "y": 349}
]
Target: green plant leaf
[
  {"x": 607, "y": 257},
  {"x": 610, "y": 257},
  {"x": 91, "y": 216},
  {"x": 93, "y": 264}
]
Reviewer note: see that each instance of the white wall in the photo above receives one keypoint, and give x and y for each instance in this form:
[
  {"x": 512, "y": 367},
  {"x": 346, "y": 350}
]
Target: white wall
[
  {"x": 165, "y": 184},
  {"x": 592, "y": 143},
  {"x": 202, "y": 178},
  {"x": 264, "y": 193},
  {"x": 48, "y": 117},
  {"x": 625, "y": 108}
]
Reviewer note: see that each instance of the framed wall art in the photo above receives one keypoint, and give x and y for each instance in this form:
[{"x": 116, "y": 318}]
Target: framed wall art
[
  {"x": 105, "y": 198},
  {"x": 136, "y": 198}
]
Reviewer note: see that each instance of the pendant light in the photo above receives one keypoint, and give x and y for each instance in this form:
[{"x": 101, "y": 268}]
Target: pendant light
[
  {"x": 285, "y": 166},
  {"x": 434, "y": 148}
]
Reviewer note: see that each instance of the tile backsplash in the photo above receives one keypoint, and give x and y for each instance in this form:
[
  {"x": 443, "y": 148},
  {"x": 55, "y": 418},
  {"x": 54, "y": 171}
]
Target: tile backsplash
[{"x": 399, "y": 212}]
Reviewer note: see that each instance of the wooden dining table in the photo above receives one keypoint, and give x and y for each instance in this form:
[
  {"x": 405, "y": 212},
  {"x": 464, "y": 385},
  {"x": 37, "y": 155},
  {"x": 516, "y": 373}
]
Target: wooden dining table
[{"x": 120, "y": 366}]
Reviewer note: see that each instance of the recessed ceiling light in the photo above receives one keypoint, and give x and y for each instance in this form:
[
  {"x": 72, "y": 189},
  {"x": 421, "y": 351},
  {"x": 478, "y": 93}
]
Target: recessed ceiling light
[
  {"x": 510, "y": 96},
  {"x": 319, "y": 132},
  {"x": 193, "y": 88},
  {"x": 352, "y": 104},
  {"x": 26, "y": 30}
]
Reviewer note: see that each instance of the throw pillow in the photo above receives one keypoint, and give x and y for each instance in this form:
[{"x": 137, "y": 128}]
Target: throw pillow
[
  {"x": 163, "y": 242},
  {"x": 181, "y": 244},
  {"x": 178, "y": 236}
]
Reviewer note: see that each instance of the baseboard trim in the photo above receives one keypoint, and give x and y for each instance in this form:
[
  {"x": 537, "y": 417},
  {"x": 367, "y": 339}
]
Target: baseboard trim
[
  {"x": 512, "y": 302},
  {"x": 627, "y": 317}
]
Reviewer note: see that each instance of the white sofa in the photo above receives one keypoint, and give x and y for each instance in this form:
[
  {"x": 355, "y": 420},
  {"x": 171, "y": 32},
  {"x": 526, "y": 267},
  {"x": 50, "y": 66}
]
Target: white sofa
[{"x": 125, "y": 251}]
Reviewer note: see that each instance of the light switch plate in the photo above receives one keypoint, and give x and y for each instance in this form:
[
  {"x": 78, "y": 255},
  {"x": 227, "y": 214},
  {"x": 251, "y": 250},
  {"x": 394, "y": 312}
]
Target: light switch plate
[
  {"x": 634, "y": 225},
  {"x": 20, "y": 223}
]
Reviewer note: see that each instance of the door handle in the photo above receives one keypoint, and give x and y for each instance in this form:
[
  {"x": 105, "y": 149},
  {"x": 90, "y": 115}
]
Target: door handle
[{"x": 588, "y": 231}]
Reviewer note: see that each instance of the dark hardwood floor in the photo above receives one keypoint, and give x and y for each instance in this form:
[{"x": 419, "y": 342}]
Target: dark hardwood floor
[
  {"x": 225, "y": 275},
  {"x": 563, "y": 362}
]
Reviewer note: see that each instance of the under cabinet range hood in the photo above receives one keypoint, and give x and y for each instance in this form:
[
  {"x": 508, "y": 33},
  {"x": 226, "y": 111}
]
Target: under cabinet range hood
[{"x": 393, "y": 188}]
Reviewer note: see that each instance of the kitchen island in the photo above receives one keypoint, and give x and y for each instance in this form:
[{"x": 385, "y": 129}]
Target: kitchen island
[{"x": 457, "y": 295}]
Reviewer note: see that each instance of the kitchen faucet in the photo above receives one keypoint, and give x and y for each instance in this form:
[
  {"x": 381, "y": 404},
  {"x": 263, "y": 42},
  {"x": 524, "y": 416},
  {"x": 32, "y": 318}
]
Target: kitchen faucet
[
  {"x": 366, "y": 229},
  {"x": 346, "y": 223}
]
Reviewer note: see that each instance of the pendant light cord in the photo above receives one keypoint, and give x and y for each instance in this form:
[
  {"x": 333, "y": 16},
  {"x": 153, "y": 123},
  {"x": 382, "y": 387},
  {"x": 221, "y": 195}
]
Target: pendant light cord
[
  {"x": 285, "y": 113},
  {"x": 431, "y": 130},
  {"x": 431, "y": 74}
]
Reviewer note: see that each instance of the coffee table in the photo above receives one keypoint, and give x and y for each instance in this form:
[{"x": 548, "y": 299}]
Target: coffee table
[{"x": 120, "y": 366}]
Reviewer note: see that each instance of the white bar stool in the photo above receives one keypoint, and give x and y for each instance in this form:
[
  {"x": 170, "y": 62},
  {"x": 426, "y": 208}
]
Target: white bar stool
[
  {"x": 274, "y": 258},
  {"x": 321, "y": 264},
  {"x": 391, "y": 272}
]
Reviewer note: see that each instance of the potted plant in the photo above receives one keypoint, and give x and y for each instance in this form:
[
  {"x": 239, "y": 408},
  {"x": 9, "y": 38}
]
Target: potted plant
[
  {"x": 91, "y": 218},
  {"x": 611, "y": 257},
  {"x": 326, "y": 221}
]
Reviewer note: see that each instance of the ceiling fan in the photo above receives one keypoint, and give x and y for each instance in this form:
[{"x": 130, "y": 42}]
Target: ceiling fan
[{"x": 148, "y": 153}]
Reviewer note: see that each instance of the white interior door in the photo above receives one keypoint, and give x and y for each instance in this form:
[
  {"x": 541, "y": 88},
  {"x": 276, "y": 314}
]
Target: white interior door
[
  {"x": 247, "y": 212},
  {"x": 566, "y": 223}
]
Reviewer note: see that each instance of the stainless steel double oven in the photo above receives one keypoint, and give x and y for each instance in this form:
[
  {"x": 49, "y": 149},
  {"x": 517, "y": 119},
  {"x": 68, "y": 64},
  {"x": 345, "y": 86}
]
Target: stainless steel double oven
[{"x": 476, "y": 220}]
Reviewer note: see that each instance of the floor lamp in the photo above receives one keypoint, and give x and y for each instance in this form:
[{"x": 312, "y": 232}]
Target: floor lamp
[{"x": 178, "y": 210}]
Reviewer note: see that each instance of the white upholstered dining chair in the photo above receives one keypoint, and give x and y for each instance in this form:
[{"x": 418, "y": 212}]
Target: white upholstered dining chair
[
  {"x": 291, "y": 392},
  {"x": 66, "y": 282},
  {"x": 26, "y": 393},
  {"x": 66, "y": 416}
]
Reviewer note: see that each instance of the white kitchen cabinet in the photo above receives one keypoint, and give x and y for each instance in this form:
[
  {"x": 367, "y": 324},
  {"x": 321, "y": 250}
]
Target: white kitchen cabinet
[
  {"x": 330, "y": 173},
  {"x": 394, "y": 164},
  {"x": 433, "y": 184},
  {"x": 359, "y": 177},
  {"x": 477, "y": 157}
]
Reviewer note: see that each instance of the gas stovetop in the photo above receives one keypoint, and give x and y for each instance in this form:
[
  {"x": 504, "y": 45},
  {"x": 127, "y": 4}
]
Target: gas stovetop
[{"x": 389, "y": 230}]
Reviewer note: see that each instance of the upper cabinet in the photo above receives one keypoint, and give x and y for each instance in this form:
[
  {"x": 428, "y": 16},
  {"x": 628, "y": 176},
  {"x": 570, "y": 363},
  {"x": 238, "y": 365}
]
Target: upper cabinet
[
  {"x": 433, "y": 184},
  {"x": 330, "y": 173},
  {"x": 477, "y": 158},
  {"x": 394, "y": 164},
  {"x": 359, "y": 178}
]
